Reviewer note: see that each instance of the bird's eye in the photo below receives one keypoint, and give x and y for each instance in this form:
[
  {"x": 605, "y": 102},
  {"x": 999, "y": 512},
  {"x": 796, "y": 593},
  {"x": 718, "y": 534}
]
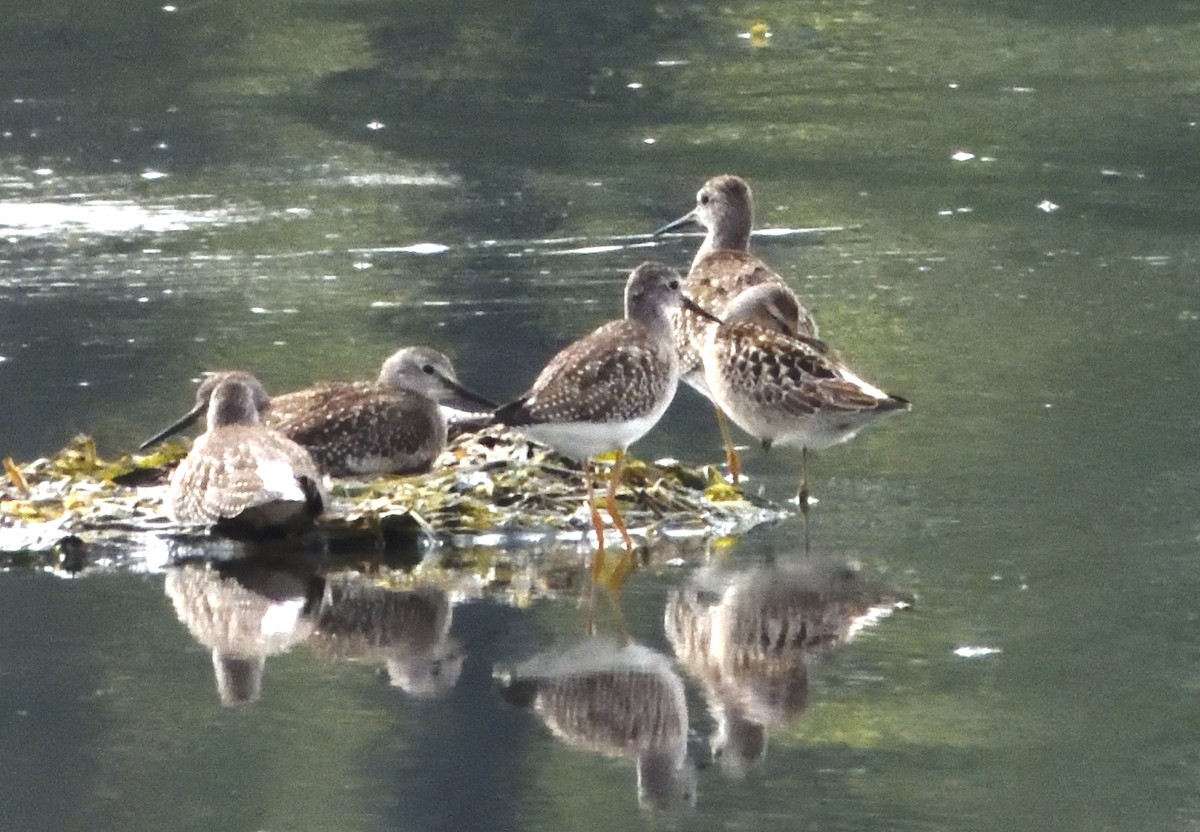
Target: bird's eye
[
  {"x": 427, "y": 369},
  {"x": 703, "y": 200},
  {"x": 674, "y": 284}
]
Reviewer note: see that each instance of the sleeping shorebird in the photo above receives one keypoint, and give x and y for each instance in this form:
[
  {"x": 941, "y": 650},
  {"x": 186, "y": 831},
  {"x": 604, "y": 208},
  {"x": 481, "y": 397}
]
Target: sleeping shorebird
[
  {"x": 240, "y": 476},
  {"x": 785, "y": 389},
  {"x": 722, "y": 269},
  {"x": 392, "y": 425},
  {"x": 606, "y": 390}
]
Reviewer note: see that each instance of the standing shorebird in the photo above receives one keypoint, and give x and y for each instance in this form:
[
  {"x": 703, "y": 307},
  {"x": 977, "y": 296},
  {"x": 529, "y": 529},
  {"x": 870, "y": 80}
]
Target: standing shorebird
[
  {"x": 722, "y": 269},
  {"x": 606, "y": 390},
  {"x": 241, "y": 477},
  {"x": 786, "y": 389},
  {"x": 392, "y": 425}
]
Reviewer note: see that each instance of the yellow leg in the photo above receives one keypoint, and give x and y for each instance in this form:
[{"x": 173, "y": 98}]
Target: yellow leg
[
  {"x": 597, "y": 522},
  {"x": 619, "y": 617},
  {"x": 731, "y": 455},
  {"x": 625, "y": 565}
]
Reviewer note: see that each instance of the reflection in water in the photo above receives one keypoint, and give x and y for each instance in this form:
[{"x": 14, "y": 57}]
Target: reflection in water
[
  {"x": 408, "y": 631},
  {"x": 243, "y": 611},
  {"x": 619, "y": 701},
  {"x": 749, "y": 637}
]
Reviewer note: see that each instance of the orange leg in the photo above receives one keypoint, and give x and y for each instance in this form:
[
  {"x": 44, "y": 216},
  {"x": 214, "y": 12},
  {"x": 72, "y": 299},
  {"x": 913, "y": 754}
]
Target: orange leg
[
  {"x": 597, "y": 522},
  {"x": 731, "y": 455},
  {"x": 625, "y": 565}
]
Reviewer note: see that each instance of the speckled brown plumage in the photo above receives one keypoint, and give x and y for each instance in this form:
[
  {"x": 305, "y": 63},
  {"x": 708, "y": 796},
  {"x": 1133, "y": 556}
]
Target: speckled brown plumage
[
  {"x": 618, "y": 372},
  {"x": 392, "y": 425},
  {"x": 783, "y": 389},
  {"x": 362, "y": 427},
  {"x": 241, "y": 475},
  {"x": 713, "y": 284},
  {"x": 607, "y": 389},
  {"x": 722, "y": 268}
]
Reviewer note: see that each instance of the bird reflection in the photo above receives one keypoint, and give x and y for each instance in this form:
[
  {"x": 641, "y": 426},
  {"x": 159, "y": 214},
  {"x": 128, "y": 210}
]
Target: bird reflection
[
  {"x": 621, "y": 701},
  {"x": 750, "y": 636},
  {"x": 407, "y": 631},
  {"x": 243, "y": 611}
]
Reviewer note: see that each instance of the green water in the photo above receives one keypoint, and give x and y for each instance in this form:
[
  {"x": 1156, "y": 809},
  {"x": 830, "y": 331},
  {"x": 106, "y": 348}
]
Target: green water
[{"x": 231, "y": 185}]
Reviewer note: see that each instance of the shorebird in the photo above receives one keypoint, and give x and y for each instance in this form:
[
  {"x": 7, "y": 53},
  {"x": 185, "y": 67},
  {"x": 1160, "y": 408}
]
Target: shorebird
[
  {"x": 621, "y": 701},
  {"x": 392, "y": 425},
  {"x": 786, "y": 389},
  {"x": 240, "y": 476},
  {"x": 605, "y": 391},
  {"x": 722, "y": 269}
]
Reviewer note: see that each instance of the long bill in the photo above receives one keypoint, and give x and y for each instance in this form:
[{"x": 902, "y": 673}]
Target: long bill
[
  {"x": 465, "y": 393},
  {"x": 687, "y": 219},
  {"x": 186, "y": 421},
  {"x": 688, "y": 303}
]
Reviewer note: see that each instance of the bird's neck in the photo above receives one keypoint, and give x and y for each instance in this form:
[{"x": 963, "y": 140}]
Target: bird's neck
[
  {"x": 736, "y": 238},
  {"x": 233, "y": 408},
  {"x": 657, "y": 323}
]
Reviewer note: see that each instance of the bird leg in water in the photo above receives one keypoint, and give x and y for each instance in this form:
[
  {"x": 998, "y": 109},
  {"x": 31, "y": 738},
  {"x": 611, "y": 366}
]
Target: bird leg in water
[
  {"x": 625, "y": 565},
  {"x": 731, "y": 455},
  {"x": 597, "y": 522}
]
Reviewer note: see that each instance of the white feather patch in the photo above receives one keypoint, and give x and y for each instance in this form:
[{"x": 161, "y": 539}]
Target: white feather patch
[{"x": 279, "y": 480}]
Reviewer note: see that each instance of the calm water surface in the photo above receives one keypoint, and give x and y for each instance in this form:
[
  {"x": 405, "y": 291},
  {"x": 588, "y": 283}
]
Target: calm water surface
[{"x": 991, "y": 209}]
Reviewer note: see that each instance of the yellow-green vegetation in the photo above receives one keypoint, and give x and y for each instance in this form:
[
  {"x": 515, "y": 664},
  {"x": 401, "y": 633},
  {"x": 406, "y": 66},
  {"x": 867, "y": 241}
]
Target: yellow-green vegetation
[{"x": 492, "y": 488}]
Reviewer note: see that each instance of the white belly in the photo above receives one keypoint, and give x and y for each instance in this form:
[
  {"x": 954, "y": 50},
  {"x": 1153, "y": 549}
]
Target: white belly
[{"x": 584, "y": 440}]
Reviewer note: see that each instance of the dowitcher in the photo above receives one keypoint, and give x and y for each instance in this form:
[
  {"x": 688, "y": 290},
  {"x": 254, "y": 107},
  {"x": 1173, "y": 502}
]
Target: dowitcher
[
  {"x": 786, "y": 389},
  {"x": 605, "y": 391},
  {"x": 392, "y": 425},
  {"x": 622, "y": 701},
  {"x": 241, "y": 476},
  {"x": 722, "y": 269}
]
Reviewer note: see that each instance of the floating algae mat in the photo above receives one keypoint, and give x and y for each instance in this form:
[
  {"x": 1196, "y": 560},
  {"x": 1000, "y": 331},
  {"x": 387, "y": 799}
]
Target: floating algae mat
[{"x": 492, "y": 488}]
